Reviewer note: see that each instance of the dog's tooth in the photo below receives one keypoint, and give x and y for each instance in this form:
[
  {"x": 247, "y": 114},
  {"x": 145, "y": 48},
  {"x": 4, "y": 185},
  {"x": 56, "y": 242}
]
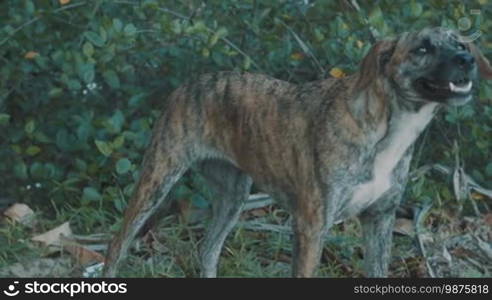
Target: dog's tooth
[{"x": 460, "y": 89}]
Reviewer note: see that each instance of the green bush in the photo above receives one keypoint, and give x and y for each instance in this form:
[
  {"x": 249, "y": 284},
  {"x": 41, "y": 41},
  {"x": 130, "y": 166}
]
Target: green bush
[{"x": 81, "y": 83}]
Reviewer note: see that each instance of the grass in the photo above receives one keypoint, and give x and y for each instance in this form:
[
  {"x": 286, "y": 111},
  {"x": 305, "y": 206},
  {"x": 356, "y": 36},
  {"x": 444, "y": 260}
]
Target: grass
[{"x": 170, "y": 248}]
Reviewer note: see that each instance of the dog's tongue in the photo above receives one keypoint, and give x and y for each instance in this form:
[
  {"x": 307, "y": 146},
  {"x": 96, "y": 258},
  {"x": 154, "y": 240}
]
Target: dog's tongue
[{"x": 460, "y": 88}]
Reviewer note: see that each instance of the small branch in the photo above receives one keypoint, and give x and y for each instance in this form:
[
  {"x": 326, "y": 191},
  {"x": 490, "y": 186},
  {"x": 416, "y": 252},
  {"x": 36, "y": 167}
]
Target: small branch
[
  {"x": 256, "y": 201},
  {"x": 470, "y": 182},
  {"x": 225, "y": 40},
  {"x": 35, "y": 19},
  {"x": 261, "y": 226},
  {"x": 373, "y": 33},
  {"x": 19, "y": 29},
  {"x": 171, "y": 12},
  {"x": 305, "y": 48}
]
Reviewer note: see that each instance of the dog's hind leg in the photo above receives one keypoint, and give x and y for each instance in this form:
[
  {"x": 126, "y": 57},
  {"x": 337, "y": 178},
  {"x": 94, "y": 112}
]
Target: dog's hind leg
[
  {"x": 231, "y": 187},
  {"x": 160, "y": 171},
  {"x": 308, "y": 243}
]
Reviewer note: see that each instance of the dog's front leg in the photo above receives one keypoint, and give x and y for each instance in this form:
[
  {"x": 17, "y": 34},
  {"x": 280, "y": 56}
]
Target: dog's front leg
[
  {"x": 377, "y": 232},
  {"x": 378, "y": 221}
]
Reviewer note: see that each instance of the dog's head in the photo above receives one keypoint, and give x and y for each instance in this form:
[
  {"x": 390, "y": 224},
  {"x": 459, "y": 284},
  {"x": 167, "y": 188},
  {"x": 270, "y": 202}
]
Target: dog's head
[{"x": 433, "y": 64}]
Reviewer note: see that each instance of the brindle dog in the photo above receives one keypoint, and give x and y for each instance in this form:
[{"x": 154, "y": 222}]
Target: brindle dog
[{"x": 326, "y": 150}]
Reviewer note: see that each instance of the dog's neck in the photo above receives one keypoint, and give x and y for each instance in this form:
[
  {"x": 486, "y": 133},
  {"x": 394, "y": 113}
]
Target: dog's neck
[
  {"x": 380, "y": 110},
  {"x": 408, "y": 119}
]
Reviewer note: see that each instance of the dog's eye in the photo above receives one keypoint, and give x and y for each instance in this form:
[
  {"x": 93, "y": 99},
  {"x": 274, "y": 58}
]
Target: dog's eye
[
  {"x": 461, "y": 47},
  {"x": 422, "y": 50}
]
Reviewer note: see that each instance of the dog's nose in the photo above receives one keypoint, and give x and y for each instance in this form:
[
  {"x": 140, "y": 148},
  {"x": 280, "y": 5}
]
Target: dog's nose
[{"x": 464, "y": 60}]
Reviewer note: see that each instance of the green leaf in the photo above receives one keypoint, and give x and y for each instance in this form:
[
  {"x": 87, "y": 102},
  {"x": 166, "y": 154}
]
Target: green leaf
[
  {"x": 36, "y": 170},
  {"x": 30, "y": 127},
  {"x": 74, "y": 84},
  {"x": 118, "y": 142},
  {"x": 182, "y": 191},
  {"x": 4, "y": 119},
  {"x": 117, "y": 25},
  {"x": 197, "y": 27},
  {"x": 416, "y": 8},
  {"x": 128, "y": 190},
  {"x": 63, "y": 140},
  {"x": 87, "y": 73},
  {"x": 123, "y": 165},
  {"x": 318, "y": 34},
  {"x": 112, "y": 79},
  {"x": 220, "y": 33},
  {"x": 119, "y": 204},
  {"x": 88, "y": 49},
  {"x": 49, "y": 170},
  {"x": 247, "y": 63},
  {"x": 485, "y": 91},
  {"x": 488, "y": 169},
  {"x": 33, "y": 150},
  {"x": 30, "y": 7},
  {"x": 84, "y": 131},
  {"x": 55, "y": 92},
  {"x": 137, "y": 99},
  {"x": 198, "y": 201},
  {"x": 20, "y": 170},
  {"x": 41, "y": 137},
  {"x": 103, "y": 34},
  {"x": 104, "y": 147},
  {"x": 115, "y": 123},
  {"x": 94, "y": 38},
  {"x": 91, "y": 194},
  {"x": 80, "y": 165},
  {"x": 376, "y": 16},
  {"x": 130, "y": 29}
]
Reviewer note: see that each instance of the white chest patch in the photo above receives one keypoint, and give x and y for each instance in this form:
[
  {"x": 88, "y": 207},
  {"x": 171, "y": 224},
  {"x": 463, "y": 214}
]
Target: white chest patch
[{"x": 403, "y": 134}]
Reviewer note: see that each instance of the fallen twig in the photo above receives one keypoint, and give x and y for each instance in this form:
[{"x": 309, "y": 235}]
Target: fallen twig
[
  {"x": 471, "y": 184},
  {"x": 256, "y": 201}
]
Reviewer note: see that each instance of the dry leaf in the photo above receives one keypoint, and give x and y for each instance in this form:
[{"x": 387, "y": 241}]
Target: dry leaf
[
  {"x": 337, "y": 73},
  {"x": 191, "y": 214},
  {"x": 31, "y": 55},
  {"x": 82, "y": 255},
  {"x": 258, "y": 213},
  {"x": 477, "y": 196},
  {"x": 63, "y": 2},
  {"x": 404, "y": 226},
  {"x": 20, "y": 213},
  {"x": 152, "y": 242},
  {"x": 488, "y": 219},
  {"x": 297, "y": 56},
  {"x": 485, "y": 247},
  {"x": 53, "y": 237}
]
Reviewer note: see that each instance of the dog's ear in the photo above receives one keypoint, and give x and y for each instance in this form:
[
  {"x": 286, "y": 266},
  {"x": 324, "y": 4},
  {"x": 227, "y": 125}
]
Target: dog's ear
[
  {"x": 483, "y": 63},
  {"x": 374, "y": 62}
]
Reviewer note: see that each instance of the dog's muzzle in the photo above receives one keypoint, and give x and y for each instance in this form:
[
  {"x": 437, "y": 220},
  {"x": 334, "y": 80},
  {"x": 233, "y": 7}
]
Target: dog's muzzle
[{"x": 451, "y": 82}]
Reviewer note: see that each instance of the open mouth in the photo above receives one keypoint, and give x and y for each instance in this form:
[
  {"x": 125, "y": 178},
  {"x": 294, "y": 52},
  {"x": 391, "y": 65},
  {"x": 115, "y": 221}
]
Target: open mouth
[{"x": 441, "y": 89}]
